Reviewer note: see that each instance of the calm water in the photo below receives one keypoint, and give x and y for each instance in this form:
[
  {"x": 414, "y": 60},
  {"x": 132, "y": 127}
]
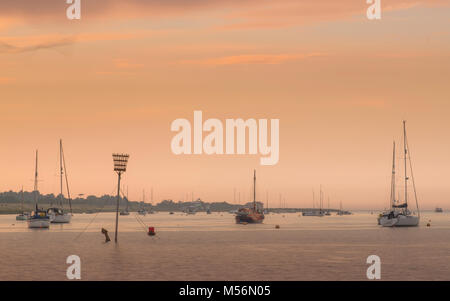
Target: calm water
[{"x": 213, "y": 247}]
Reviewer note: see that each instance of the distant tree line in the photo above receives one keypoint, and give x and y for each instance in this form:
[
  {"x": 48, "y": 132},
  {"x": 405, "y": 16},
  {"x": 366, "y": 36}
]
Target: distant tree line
[{"x": 12, "y": 197}]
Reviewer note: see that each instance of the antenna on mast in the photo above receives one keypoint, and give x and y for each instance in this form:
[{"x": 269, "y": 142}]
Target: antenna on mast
[{"x": 254, "y": 189}]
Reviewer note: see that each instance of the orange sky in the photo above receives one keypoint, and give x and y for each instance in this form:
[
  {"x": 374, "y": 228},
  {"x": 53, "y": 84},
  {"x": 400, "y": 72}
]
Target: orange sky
[{"x": 115, "y": 80}]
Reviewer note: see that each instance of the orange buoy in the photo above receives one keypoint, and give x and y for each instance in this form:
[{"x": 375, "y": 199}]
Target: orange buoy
[{"x": 151, "y": 231}]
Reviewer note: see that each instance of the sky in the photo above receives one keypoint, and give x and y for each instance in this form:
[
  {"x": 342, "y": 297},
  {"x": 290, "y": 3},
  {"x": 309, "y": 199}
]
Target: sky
[{"x": 116, "y": 79}]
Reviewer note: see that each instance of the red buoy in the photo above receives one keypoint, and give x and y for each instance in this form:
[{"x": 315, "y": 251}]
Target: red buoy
[{"x": 151, "y": 231}]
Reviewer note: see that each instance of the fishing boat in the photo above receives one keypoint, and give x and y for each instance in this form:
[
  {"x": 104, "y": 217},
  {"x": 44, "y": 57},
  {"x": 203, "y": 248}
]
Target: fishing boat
[
  {"x": 24, "y": 215},
  {"x": 250, "y": 215},
  {"x": 399, "y": 215},
  {"x": 39, "y": 218},
  {"x": 438, "y": 210},
  {"x": 57, "y": 214}
]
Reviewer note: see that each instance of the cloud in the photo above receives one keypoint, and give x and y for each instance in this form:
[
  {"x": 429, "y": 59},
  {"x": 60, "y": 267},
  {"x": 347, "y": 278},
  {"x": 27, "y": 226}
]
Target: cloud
[
  {"x": 9, "y": 48},
  {"x": 265, "y": 59}
]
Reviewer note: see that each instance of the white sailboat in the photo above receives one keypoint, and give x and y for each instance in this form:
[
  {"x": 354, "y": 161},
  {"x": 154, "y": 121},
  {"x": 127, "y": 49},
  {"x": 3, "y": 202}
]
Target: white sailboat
[
  {"x": 57, "y": 214},
  {"x": 39, "y": 218},
  {"x": 399, "y": 215}
]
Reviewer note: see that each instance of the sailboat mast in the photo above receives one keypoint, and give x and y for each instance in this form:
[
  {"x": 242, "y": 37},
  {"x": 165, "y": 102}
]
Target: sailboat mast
[
  {"x": 254, "y": 189},
  {"x": 314, "y": 200},
  {"x": 406, "y": 169},
  {"x": 67, "y": 180},
  {"x": 22, "y": 199},
  {"x": 61, "y": 172},
  {"x": 320, "y": 200},
  {"x": 393, "y": 179},
  {"x": 36, "y": 181}
]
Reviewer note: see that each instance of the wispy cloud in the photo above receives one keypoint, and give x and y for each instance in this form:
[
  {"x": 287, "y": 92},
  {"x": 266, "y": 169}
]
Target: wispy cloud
[
  {"x": 9, "y": 48},
  {"x": 267, "y": 59}
]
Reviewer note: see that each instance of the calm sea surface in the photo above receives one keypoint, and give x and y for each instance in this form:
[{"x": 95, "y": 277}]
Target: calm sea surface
[{"x": 213, "y": 247}]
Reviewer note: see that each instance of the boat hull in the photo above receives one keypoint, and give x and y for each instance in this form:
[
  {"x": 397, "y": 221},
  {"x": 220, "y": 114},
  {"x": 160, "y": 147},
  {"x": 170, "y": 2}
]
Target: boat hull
[
  {"x": 39, "y": 223},
  {"x": 61, "y": 218},
  {"x": 399, "y": 221},
  {"x": 313, "y": 213},
  {"x": 248, "y": 220},
  {"x": 21, "y": 217}
]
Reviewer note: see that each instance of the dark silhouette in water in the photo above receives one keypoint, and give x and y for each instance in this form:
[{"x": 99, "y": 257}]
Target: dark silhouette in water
[{"x": 104, "y": 231}]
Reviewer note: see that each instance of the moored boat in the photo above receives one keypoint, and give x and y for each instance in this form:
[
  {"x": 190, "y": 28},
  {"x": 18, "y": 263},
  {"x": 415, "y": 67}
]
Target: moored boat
[
  {"x": 57, "y": 214},
  {"x": 39, "y": 218},
  {"x": 250, "y": 215},
  {"x": 24, "y": 215},
  {"x": 399, "y": 215}
]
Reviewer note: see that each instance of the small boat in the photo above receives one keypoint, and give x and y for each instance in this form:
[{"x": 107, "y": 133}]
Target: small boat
[
  {"x": 328, "y": 213},
  {"x": 316, "y": 212},
  {"x": 142, "y": 210},
  {"x": 438, "y": 210},
  {"x": 24, "y": 215},
  {"x": 342, "y": 212},
  {"x": 57, "y": 214},
  {"x": 399, "y": 215},
  {"x": 313, "y": 213},
  {"x": 39, "y": 218},
  {"x": 190, "y": 210},
  {"x": 171, "y": 213},
  {"x": 250, "y": 215}
]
